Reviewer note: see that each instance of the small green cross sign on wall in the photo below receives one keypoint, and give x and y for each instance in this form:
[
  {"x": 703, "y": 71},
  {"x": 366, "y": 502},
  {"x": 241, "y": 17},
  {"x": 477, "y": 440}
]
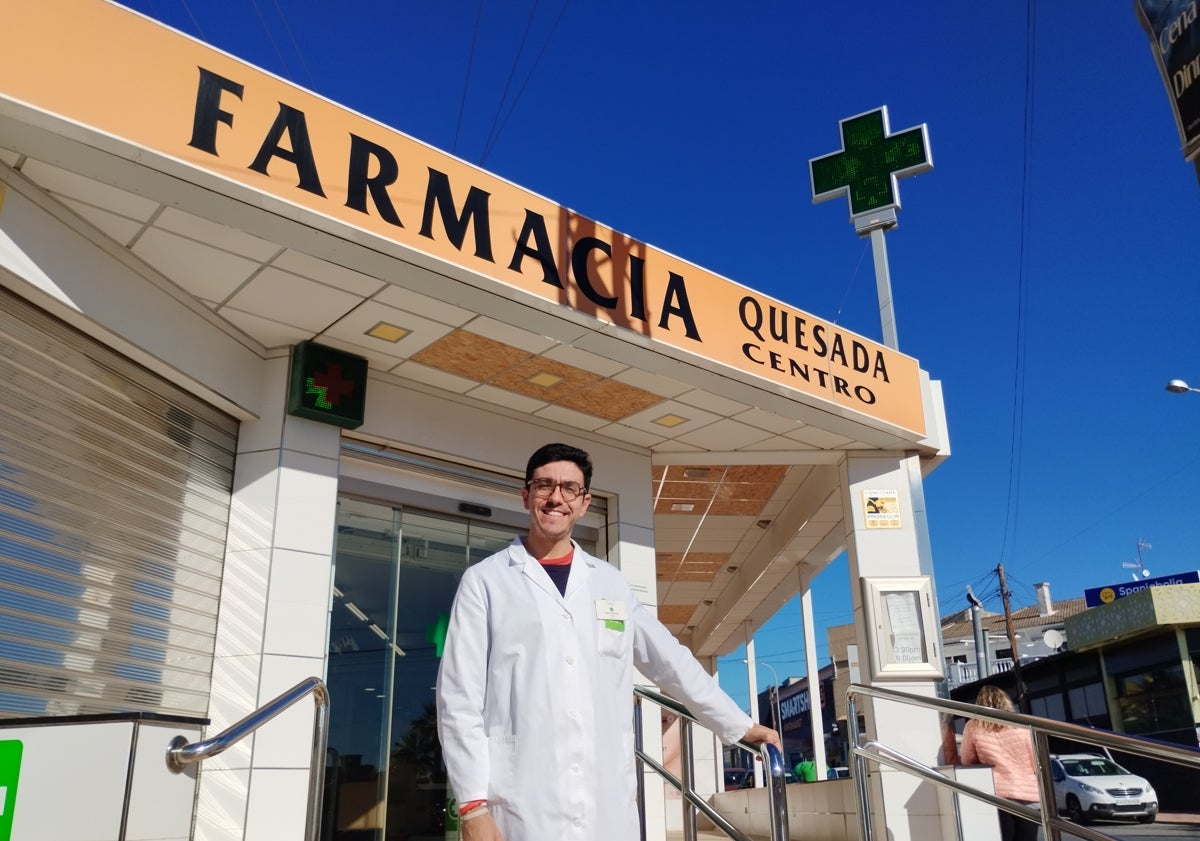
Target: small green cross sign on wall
[
  {"x": 10, "y": 772},
  {"x": 869, "y": 163}
]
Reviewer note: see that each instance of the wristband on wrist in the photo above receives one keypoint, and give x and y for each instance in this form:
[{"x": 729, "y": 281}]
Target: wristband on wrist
[
  {"x": 477, "y": 812},
  {"x": 470, "y": 806}
]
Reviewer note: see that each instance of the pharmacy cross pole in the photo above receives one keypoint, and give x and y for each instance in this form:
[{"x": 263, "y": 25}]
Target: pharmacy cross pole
[{"x": 865, "y": 170}]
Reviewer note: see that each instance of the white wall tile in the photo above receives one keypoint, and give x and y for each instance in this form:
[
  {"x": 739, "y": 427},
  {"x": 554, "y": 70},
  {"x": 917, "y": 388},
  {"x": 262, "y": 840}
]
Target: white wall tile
[
  {"x": 234, "y": 696},
  {"x": 221, "y": 807},
  {"x": 286, "y": 740},
  {"x": 242, "y": 611},
  {"x": 266, "y": 432},
  {"x": 300, "y": 577},
  {"x": 204, "y": 832},
  {"x": 296, "y": 628},
  {"x": 160, "y": 802},
  {"x": 309, "y": 436},
  {"x": 278, "y": 799},
  {"x": 252, "y": 510},
  {"x": 306, "y": 504}
]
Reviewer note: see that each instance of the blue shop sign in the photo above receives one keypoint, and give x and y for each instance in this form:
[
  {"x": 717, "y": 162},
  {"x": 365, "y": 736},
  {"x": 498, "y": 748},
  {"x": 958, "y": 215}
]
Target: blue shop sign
[{"x": 1104, "y": 595}]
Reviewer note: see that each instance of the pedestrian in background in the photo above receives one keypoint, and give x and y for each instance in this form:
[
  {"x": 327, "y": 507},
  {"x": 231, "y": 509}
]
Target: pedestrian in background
[{"x": 1009, "y": 750}]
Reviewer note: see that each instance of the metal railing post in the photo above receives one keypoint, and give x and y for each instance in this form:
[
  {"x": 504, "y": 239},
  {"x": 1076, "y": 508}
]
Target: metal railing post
[
  {"x": 180, "y": 754},
  {"x": 860, "y": 770},
  {"x": 1041, "y": 729},
  {"x": 1041, "y": 749},
  {"x": 776, "y": 792},
  {"x": 638, "y": 742},
  {"x": 686, "y": 757},
  {"x": 770, "y": 755}
]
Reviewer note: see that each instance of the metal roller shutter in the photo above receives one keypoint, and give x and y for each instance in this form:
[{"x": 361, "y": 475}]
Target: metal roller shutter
[{"x": 114, "y": 507}]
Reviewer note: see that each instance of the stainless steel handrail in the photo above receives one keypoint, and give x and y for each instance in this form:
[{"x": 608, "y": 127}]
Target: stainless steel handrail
[
  {"x": 1040, "y": 730},
  {"x": 180, "y": 754},
  {"x": 770, "y": 755}
]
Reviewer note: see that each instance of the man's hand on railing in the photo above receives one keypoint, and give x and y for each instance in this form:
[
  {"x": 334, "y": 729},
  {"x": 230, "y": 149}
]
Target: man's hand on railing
[
  {"x": 482, "y": 828},
  {"x": 760, "y": 733}
]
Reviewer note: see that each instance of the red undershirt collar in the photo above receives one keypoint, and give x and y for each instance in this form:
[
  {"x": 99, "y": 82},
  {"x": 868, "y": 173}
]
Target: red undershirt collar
[{"x": 557, "y": 562}]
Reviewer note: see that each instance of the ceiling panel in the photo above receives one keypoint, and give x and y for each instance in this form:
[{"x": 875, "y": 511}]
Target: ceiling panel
[
  {"x": 292, "y": 299},
  {"x": 120, "y": 229},
  {"x": 198, "y": 269},
  {"x": 215, "y": 236}
]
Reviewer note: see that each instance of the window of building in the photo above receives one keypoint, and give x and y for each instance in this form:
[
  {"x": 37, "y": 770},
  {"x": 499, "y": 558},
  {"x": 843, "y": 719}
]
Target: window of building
[
  {"x": 1088, "y": 706},
  {"x": 1153, "y": 700},
  {"x": 1048, "y": 706}
]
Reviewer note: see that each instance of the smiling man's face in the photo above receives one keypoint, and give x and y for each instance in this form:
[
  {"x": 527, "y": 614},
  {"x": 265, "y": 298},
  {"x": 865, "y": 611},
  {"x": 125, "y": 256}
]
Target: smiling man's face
[{"x": 552, "y": 519}]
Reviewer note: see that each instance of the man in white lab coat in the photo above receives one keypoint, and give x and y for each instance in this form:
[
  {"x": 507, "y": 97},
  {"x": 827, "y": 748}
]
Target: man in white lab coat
[{"x": 535, "y": 689}]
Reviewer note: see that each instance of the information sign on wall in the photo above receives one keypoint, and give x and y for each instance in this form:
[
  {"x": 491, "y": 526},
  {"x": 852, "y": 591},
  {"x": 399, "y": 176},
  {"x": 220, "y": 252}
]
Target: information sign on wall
[{"x": 881, "y": 509}]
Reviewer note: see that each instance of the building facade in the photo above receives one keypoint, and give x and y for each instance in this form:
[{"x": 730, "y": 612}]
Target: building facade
[{"x": 180, "y": 535}]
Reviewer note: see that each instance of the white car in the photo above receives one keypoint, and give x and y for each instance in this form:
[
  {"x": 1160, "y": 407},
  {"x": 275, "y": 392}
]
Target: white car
[{"x": 1090, "y": 786}]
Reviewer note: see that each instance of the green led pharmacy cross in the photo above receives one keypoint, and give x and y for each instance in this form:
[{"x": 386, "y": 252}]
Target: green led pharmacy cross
[
  {"x": 436, "y": 633},
  {"x": 869, "y": 163},
  {"x": 327, "y": 385}
]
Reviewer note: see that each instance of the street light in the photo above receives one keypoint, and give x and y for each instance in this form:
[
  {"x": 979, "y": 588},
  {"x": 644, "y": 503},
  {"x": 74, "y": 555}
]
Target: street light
[
  {"x": 1179, "y": 387},
  {"x": 778, "y": 716}
]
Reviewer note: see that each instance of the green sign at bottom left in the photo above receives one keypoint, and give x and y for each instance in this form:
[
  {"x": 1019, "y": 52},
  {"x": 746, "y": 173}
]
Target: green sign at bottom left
[{"x": 10, "y": 771}]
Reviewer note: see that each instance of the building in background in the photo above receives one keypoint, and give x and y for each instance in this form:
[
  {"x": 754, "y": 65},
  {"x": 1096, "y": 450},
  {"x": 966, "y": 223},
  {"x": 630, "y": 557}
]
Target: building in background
[
  {"x": 1131, "y": 667},
  {"x": 1040, "y": 631}
]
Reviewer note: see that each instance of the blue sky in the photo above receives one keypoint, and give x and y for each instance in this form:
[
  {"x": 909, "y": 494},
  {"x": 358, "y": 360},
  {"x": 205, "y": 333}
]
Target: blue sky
[{"x": 1043, "y": 270}]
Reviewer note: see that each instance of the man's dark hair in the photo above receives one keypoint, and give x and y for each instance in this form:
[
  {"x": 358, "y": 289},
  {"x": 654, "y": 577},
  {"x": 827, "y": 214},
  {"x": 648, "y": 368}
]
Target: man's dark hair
[{"x": 560, "y": 452}]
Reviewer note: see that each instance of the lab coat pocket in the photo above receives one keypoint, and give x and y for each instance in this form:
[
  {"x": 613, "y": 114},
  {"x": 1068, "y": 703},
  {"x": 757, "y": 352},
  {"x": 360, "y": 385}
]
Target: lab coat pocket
[
  {"x": 502, "y": 768},
  {"x": 611, "y": 641}
]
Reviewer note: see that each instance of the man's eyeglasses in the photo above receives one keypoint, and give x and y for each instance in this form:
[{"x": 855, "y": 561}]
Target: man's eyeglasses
[{"x": 544, "y": 488}]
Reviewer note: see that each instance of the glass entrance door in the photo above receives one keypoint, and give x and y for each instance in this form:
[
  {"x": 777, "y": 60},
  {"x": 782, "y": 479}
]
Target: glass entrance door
[{"x": 396, "y": 572}]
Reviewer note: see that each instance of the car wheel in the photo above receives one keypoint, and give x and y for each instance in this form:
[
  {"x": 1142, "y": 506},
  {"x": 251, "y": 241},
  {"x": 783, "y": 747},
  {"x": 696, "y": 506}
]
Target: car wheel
[
  {"x": 1074, "y": 810},
  {"x": 1145, "y": 819}
]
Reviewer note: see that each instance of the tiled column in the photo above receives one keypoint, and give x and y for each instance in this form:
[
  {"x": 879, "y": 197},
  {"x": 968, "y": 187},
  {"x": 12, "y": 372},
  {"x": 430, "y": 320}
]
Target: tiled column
[
  {"x": 907, "y": 806},
  {"x": 273, "y": 625},
  {"x": 631, "y": 549}
]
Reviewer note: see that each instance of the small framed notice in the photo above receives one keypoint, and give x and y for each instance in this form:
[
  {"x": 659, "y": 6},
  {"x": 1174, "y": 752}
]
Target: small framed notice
[
  {"x": 881, "y": 509},
  {"x": 900, "y": 615}
]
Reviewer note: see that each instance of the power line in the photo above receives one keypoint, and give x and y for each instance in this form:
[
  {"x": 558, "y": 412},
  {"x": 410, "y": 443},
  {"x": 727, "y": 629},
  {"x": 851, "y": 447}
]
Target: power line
[
  {"x": 956, "y": 590},
  {"x": 295, "y": 46},
  {"x": 1012, "y": 509},
  {"x": 271, "y": 38},
  {"x": 853, "y": 275},
  {"x": 511, "y": 72},
  {"x": 195, "y": 22},
  {"x": 462, "y": 105},
  {"x": 528, "y": 76},
  {"x": 1107, "y": 515}
]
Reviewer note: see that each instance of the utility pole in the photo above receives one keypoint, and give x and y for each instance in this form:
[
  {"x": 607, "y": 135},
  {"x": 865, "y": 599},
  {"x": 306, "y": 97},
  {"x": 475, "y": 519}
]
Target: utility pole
[{"x": 1022, "y": 701}]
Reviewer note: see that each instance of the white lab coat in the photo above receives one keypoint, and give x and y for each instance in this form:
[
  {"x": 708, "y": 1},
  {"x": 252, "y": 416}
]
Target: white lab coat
[{"x": 535, "y": 697}]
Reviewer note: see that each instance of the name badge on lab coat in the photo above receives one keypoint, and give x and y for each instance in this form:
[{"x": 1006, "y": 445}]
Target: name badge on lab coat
[{"x": 613, "y": 612}]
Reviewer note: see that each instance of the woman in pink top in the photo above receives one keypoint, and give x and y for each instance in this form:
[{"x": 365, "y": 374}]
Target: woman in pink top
[{"x": 1009, "y": 751}]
